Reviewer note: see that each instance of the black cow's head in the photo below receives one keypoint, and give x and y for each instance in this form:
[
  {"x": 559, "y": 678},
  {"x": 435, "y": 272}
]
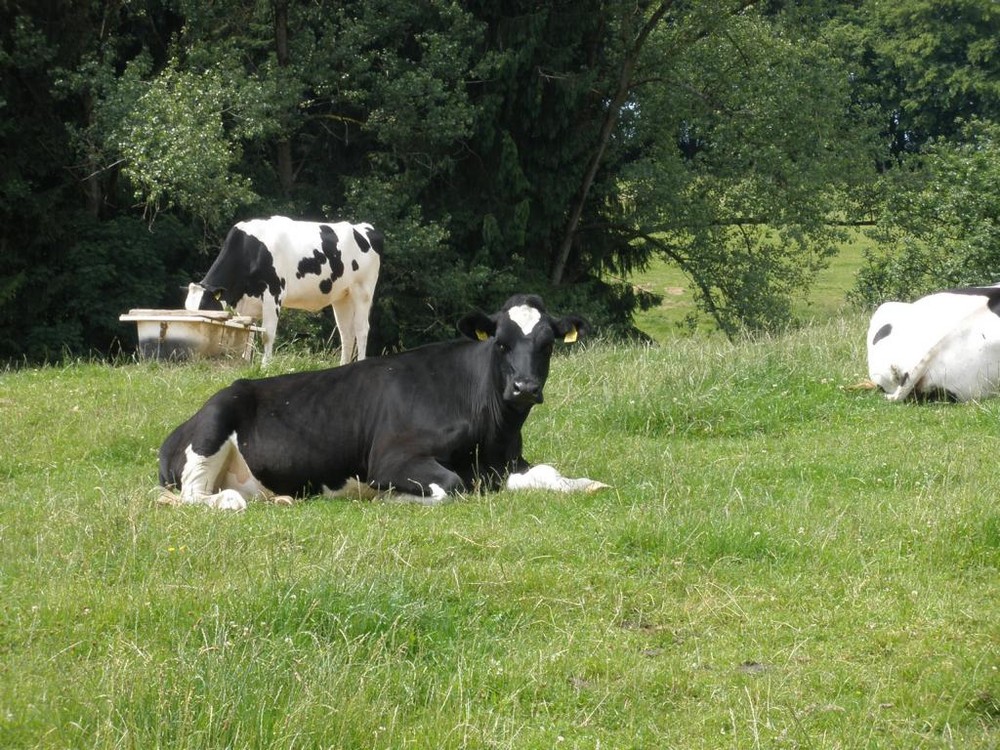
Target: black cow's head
[
  {"x": 522, "y": 335},
  {"x": 200, "y": 298}
]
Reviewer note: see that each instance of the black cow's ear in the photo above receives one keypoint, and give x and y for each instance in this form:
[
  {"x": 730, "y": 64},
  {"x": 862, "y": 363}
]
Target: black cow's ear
[
  {"x": 477, "y": 326},
  {"x": 571, "y": 328}
]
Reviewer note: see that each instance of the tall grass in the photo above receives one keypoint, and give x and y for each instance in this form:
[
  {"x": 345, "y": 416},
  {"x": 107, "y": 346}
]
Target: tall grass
[{"x": 783, "y": 561}]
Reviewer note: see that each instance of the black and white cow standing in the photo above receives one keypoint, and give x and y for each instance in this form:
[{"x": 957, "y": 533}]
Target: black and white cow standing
[
  {"x": 943, "y": 345},
  {"x": 267, "y": 264},
  {"x": 433, "y": 421}
]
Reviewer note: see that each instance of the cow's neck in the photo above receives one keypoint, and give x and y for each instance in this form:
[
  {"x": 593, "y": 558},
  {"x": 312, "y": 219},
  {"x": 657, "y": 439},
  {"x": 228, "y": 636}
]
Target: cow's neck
[{"x": 500, "y": 420}]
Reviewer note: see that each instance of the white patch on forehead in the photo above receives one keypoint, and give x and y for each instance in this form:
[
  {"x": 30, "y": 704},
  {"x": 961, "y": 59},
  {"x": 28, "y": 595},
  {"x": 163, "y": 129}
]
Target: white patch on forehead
[{"x": 525, "y": 316}]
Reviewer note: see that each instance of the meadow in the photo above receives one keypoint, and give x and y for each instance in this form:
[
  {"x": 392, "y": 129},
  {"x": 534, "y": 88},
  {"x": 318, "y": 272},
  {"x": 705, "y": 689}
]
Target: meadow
[
  {"x": 826, "y": 298},
  {"x": 783, "y": 561}
]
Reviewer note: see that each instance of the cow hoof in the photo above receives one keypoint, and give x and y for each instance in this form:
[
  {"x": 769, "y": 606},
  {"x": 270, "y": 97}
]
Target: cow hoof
[
  {"x": 581, "y": 484},
  {"x": 286, "y": 500},
  {"x": 862, "y": 385},
  {"x": 437, "y": 496},
  {"x": 167, "y": 497}
]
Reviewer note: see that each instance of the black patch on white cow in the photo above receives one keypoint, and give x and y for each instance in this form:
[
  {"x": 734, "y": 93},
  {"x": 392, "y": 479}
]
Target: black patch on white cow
[
  {"x": 882, "y": 333},
  {"x": 369, "y": 239},
  {"x": 228, "y": 274},
  {"x": 991, "y": 293},
  {"x": 362, "y": 241},
  {"x": 377, "y": 240},
  {"x": 332, "y": 252},
  {"x": 328, "y": 255},
  {"x": 313, "y": 265},
  {"x": 354, "y": 265},
  {"x": 265, "y": 277}
]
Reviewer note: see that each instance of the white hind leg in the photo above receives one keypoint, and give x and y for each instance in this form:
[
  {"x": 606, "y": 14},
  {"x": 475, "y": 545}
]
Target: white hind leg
[
  {"x": 204, "y": 479},
  {"x": 343, "y": 313},
  {"x": 362, "y": 302},
  {"x": 269, "y": 322},
  {"x": 352, "y": 320},
  {"x": 238, "y": 477}
]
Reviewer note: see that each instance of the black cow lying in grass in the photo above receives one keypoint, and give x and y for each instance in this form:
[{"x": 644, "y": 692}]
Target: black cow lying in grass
[{"x": 437, "y": 420}]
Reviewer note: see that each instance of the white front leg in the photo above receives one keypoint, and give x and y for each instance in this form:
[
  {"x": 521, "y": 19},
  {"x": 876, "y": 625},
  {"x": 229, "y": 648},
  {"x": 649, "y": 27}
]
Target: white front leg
[
  {"x": 545, "y": 477},
  {"x": 269, "y": 322}
]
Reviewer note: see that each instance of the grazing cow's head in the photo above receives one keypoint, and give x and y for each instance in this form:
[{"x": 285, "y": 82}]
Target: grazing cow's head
[
  {"x": 200, "y": 298},
  {"x": 522, "y": 335}
]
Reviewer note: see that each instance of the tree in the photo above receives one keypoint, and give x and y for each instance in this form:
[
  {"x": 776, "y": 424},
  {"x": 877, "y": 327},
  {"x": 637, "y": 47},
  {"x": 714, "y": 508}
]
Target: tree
[
  {"x": 346, "y": 112},
  {"x": 748, "y": 149},
  {"x": 632, "y": 42},
  {"x": 174, "y": 145},
  {"x": 561, "y": 94},
  {"x": 933, "y": 68},
  {"x": 73, "y": 259},
  {"x": 501, "y": 146},
  {"x": 927, "y": 65},
  {"x": 942, "y": 229}
]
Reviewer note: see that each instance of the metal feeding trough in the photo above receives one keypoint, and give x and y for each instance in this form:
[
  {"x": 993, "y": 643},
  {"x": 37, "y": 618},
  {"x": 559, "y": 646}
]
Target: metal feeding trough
[{"x": 182, "y": 334}]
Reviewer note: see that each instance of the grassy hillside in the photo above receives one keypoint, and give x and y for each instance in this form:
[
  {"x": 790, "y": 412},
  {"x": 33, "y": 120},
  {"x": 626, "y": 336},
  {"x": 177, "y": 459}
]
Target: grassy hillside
[
  {"x": 824, "y": 300},
  {"x": 782, "y": 562}
]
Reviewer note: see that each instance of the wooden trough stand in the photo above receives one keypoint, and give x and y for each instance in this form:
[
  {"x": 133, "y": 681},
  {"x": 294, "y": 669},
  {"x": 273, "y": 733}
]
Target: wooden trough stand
[{"x": 182, "y": 334}]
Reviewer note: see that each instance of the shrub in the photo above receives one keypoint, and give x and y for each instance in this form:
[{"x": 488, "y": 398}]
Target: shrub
[{"x": 940, "y": 226}]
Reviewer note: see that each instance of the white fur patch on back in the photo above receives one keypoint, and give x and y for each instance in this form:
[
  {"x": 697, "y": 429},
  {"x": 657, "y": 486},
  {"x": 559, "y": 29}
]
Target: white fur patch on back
[{"x": 526, "y": 317}]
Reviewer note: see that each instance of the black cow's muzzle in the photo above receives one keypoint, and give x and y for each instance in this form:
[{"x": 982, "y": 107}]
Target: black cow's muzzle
[{"x": 526, "y": 392}]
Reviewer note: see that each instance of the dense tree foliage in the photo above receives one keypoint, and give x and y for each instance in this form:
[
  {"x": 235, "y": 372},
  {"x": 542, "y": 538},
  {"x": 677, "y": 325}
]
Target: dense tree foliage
[
  {"x": 942, "y": 227},
  {"x": 550, "y": 146},
  {"x": 749, "y": 151},
  {"x": 933, "y": 68}
]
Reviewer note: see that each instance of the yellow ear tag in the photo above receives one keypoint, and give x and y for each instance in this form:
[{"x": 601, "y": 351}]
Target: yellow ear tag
[
  {"x": 482, "y": 335},
  {"x": 570, "y": 337},
  {"x": 218, "y": 296}
]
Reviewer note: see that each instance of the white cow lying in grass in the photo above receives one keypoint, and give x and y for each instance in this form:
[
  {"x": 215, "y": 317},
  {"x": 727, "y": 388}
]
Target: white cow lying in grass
[{"x": 944, "y": 345}]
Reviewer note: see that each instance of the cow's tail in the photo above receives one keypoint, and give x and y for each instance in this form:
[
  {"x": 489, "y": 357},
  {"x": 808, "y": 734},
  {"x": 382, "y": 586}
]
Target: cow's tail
[
  {"x": 916, "y": 373},
  {"x": 168, "y": 472}
]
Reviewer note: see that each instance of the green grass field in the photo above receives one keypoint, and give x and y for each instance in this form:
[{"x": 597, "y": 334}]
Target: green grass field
[
  {"x": 783, "y": 562},
  {"x": 823, "y": 300}
]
